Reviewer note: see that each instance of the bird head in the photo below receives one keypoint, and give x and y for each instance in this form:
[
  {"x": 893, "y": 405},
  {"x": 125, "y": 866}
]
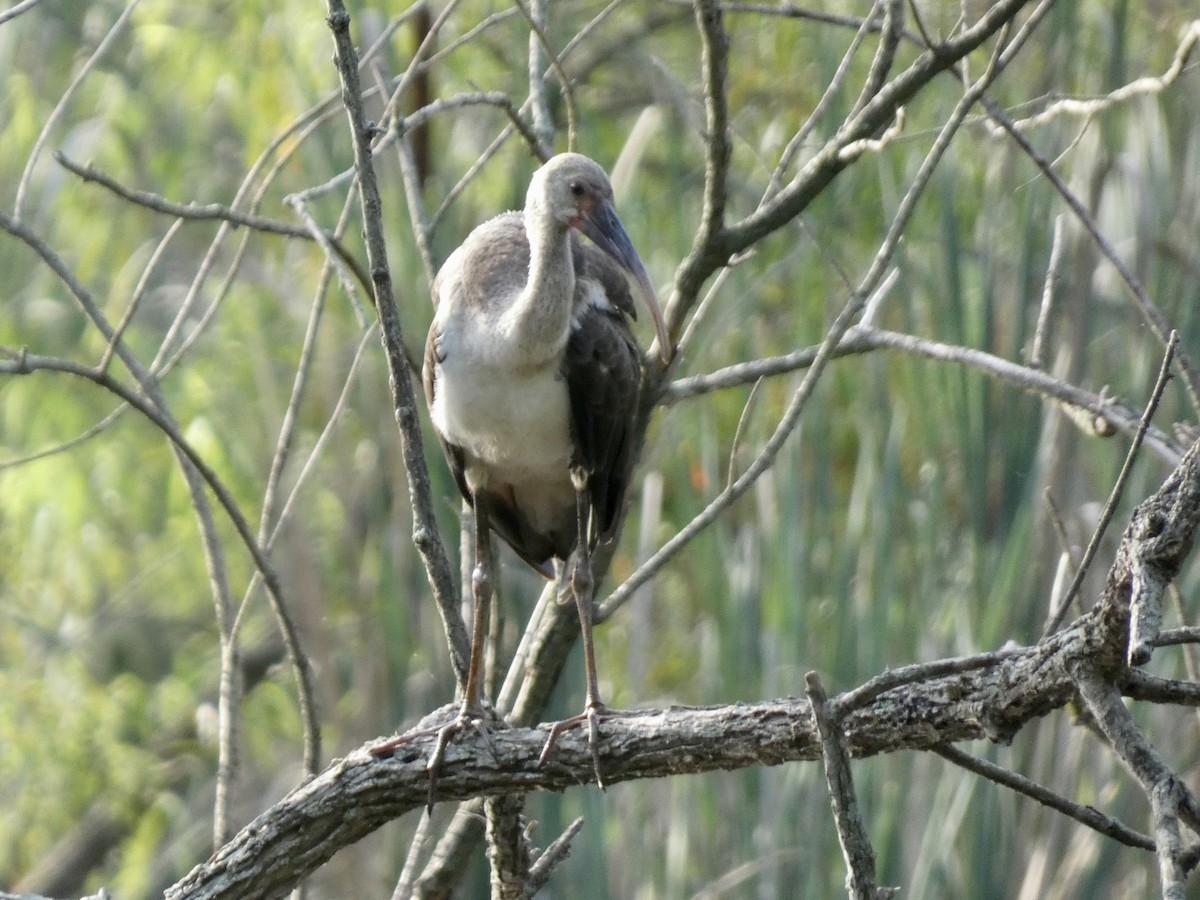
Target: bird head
[{"x": 576, "y": 193}]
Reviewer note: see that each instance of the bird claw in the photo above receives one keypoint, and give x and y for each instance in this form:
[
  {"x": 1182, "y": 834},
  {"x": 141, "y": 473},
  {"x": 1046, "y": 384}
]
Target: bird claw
[
  {"x": 591, "y": 717},
  {"x": 467, "y": 717}
]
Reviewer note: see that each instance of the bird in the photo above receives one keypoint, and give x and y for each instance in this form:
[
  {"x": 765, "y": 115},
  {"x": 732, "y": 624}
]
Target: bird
[{"x": 533, "y": 376}]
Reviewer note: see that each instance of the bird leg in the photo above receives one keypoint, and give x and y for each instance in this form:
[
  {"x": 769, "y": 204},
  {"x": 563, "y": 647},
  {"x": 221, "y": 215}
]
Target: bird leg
[
  {"x": 580, "y": 578},
  {"x": 481, "y": 591},
  {"x": 472, "y": 711}
]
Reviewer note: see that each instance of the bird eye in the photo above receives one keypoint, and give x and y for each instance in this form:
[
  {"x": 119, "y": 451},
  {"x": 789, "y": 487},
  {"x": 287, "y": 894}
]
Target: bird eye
[{"x": 576, "y": 188}]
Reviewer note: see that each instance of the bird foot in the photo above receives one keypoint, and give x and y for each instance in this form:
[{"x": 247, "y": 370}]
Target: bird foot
[
  {"x": 590, "y": 717},
  {"x": 479, "y": 718}
]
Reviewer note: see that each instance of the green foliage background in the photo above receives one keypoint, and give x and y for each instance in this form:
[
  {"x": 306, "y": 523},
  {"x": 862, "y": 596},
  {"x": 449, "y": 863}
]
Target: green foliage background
[{"x": 904, "y": 521}]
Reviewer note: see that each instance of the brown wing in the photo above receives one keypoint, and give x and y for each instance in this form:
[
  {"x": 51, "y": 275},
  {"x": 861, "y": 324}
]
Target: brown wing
[
  {"x": 604, "y": 379},
  {"x": 591, "y": 263}
]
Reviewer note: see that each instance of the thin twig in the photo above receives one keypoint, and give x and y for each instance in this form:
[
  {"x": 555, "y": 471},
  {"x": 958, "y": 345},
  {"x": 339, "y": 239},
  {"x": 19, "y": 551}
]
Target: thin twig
[
  {"x": 1150, "y": 313},
  {"x": 549, "y": 860},
  {"x": 336, "y": 256},
  {"x": 198, "y": 212},
  {"x": 216, "y": 212},
  {"x": 743, "y": 419},
  {"x": 12, "y": 12},
  {"x": 65, "y": 446},
  {"x": 788, "y": 156},
  {"x": 64, "y": 101},
  {"x": 707, "y": 302},
  {"x": 1118, "y": 488},
  {"x": 139, "y": 292},
  {"x": 404, "y": 884},
  {"x": 864, "y": 340},
  {"x": 1087, "y": 815},
  {"x": 1037, "y": 352},
  {"x": 468, "y": 36},
  {"x": 411, "y": 180},
  {"x": 1148, "y": 84},
  {"x": 911, "y": 674},
  {"x": 148, "y": 408},
  {"x": 1067, "y": 562},
  {"x": 885, "y": 53}
]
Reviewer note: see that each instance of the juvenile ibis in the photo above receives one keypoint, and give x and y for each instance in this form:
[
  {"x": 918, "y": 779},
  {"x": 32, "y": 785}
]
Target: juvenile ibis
[{"x": 533, "y": 376}]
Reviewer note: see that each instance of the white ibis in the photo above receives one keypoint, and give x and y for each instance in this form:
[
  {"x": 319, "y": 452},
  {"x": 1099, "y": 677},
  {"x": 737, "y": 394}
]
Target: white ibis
[{"x": 532, "y": 376}]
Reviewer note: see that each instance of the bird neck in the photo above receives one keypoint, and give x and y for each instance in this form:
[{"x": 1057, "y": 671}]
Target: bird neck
[{"x": 541, "y": 317}]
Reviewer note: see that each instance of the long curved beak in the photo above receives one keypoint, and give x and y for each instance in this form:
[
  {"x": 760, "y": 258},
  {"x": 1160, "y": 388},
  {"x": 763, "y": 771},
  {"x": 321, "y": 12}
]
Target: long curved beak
[{"x": 605, "y": 230}]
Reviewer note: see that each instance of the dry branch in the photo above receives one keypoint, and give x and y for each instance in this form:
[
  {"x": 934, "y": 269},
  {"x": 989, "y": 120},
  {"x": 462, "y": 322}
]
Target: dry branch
[
  {"x": 425, "y": 534},
  {"x": 852, "y": 832},
  {"x": 358, "y": 794}
]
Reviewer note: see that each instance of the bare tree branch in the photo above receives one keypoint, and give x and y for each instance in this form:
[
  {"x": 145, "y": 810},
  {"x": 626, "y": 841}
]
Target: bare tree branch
[
  {"x": 1087, "y": 815},
  {"x": 993, "y": 700},
  {"x": 1149, "y": 311},
  {"x": 859, "y": 339},
  {"x": 837, "y": 330},
  {"x": 1170, "y": 799},
  {"x": 1143, "y": 599},
  {"x": 425, "y": 532},
  {"x": 26, "y": 363},
  {"x": 852, "y": 833}
]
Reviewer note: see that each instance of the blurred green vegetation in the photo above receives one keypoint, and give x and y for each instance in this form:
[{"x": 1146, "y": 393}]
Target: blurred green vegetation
[{"x": 904, "y": 521}]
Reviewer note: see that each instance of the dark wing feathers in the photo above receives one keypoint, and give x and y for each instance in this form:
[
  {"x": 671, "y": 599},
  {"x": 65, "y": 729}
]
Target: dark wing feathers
[
  {"x": 604, "y": 378},
  {"x": 593, "y": 264}
]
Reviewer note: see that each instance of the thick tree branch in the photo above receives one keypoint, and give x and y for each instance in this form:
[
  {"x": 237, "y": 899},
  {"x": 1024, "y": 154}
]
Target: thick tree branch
[{"x": 356, "y": 795}]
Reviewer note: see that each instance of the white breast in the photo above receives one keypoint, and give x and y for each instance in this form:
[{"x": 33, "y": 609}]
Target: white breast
[{"x": 513, "y": 423}]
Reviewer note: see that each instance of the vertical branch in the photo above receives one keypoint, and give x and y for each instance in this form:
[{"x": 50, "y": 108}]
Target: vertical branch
[
  {"x": 410, "y": 174},
  {"x": 715, "y": 62},
  {"x": 543, "y": 122},
  {"x": 885, "y": 55},
  {"x": 1143, "y": 646},
  {"x": 538, "y": 75},
  {"x": 1037, "y": 352},
  {"x": 425, "y": 533},
  {"x": 508, "y": 848},
  {"x": 852, "y": 834},
  {"x": 705, "y": 253}
]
